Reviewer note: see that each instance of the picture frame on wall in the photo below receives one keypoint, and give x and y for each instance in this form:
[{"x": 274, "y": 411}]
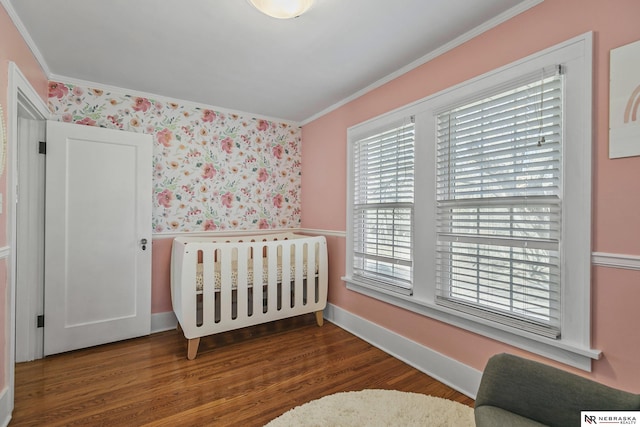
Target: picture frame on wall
[{"x": 624, "y": 101}]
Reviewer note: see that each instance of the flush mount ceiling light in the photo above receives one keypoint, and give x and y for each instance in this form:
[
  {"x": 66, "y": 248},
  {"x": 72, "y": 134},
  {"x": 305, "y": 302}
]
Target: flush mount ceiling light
[{"x": 282, "y": 9}]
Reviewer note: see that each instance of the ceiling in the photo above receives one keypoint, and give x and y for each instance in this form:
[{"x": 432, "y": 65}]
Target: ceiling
[{"x": 226, "y": 54}]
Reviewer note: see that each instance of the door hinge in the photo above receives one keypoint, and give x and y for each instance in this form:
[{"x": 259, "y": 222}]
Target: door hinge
[
  {"x": 41, "y": 321},
  {"x": 42, "y": 147}
]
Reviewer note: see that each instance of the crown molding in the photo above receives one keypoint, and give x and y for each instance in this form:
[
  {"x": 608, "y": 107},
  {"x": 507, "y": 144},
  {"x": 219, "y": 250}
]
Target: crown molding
[{"x": 494, "y": 22}]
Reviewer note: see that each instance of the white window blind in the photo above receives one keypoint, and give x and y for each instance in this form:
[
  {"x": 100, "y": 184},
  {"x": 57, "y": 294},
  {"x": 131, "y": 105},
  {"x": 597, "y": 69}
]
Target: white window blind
[
  {"x": 499, "y": 204},
  {"x": 383, "y": 193}
]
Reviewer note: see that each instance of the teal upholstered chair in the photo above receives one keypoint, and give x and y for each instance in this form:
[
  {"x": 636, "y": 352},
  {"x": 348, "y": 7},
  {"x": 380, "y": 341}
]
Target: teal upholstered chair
[{"x": 517, "y": 392}]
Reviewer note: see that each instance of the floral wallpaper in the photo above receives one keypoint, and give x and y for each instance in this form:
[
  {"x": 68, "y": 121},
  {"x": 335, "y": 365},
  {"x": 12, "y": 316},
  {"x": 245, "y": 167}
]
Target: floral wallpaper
[{"x": 212, "y": 170}]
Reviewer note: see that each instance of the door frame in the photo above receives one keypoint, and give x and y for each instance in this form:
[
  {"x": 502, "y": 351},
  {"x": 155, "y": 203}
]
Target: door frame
[
  {"x": 30, "y": 238},
  {"x": 22, "y": 99}
]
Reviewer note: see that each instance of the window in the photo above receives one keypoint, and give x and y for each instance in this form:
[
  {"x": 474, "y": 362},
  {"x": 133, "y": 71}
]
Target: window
[
  {"x": 477, "y": 212},
  {"x": 499, "y": 204},
  {"x": 383, "y": 188}
]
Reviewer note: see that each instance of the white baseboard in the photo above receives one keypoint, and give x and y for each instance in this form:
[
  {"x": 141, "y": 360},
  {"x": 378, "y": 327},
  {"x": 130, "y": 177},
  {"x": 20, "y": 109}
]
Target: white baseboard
[
  {"x": 449, "y": 371},
  {"x": 161, "y": 322},
  {"x": 5, "y": 407}
]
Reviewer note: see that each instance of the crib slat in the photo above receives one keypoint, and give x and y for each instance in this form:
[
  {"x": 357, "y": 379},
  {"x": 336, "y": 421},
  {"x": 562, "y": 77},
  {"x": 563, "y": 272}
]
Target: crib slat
[
  {"x": 242, "y": 287},
  {"x": 272, "y": 283},
  {"x": 299, "y": 278},
  {"x": 285, "y": 285},
  {"x": 208, "y": 285},
  {"x": 225, "y": 283},
  {"x": 257, "y": 279},
  {"x": 311, "y": 277}
]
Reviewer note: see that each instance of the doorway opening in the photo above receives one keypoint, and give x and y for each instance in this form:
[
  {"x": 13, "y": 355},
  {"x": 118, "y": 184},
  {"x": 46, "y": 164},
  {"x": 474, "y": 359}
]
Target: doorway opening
[
  {"x": 26, "y": 106},
  {"x": 29, "y": 237}
]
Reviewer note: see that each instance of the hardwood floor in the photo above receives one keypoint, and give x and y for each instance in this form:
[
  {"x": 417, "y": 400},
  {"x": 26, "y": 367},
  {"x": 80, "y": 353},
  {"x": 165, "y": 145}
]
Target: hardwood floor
[{"x": 243, "y": 378}]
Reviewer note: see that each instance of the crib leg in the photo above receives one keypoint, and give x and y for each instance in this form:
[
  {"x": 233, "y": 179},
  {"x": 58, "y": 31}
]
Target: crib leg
[
  {"x": 192, "y": 348},
  {"x": 319, "y": 318}
]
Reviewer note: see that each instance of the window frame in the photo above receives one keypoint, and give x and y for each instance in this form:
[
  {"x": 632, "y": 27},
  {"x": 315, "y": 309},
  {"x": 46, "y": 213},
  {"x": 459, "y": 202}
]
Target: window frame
[
  {"x": 355, "y": 136},
  {"x": 464, "y": 264},
  {"x": 574, "y": 345}
]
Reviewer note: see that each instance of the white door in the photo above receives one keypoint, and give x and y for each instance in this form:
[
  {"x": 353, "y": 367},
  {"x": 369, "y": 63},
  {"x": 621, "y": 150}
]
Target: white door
[{"x": 97, "y": 236}]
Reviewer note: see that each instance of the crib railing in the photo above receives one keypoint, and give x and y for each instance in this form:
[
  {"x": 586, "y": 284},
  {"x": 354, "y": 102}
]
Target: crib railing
[{"x": 229, "y": 283}]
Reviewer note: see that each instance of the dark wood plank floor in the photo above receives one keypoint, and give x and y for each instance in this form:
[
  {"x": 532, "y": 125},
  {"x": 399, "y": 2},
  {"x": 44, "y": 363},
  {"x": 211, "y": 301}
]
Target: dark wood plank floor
[{"x": 243, "y": 378}]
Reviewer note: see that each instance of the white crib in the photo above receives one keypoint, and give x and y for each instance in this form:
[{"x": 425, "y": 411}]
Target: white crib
[{"x": 224, "y": 283}]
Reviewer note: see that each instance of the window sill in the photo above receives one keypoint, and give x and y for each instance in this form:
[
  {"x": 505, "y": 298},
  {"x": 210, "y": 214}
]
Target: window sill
[{"x": 571, "y": 354}]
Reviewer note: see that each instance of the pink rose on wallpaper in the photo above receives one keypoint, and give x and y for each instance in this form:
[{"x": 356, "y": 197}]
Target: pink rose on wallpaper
[
  {"x": 277, "y": 151},
  {"x": 164, "y": 137},
  {"x": 141, "y": 104},
  {"x": 208, "y": 116},
  {"x": 277, "y": 201},
  {"x": 208, "y": 171},
  {"x": 226, "y": 199},
  {"x": 57, "y": 90},
  {"x": 263, "y": 125},
  {"x": 165, "y": 198},
  {"x": 263, "y": 224},
  {"x": 209, "y": 225},
  {"x": 88, "y": 121},
  {"x": 227, "y": 145},
  {"x": 67, "y": 117},
  {"x": 263, "y": 175}
]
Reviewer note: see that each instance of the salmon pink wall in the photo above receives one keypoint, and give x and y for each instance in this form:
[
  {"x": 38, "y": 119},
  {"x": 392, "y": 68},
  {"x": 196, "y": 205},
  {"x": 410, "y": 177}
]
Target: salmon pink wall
[
  {"x": 616, "y": 200},
  {"x": 12, "y": 49},
  {"x": 161, "y": 275}
]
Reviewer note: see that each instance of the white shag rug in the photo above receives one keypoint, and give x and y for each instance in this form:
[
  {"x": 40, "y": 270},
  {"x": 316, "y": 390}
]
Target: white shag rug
[{"x": 372, "y": 408}]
